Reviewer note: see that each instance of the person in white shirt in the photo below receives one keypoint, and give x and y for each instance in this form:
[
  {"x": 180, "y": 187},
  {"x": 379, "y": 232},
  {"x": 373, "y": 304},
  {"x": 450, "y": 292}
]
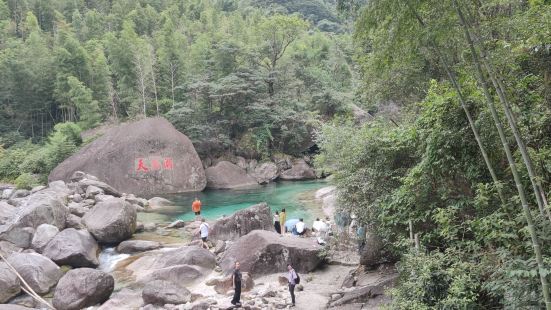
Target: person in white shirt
[
  {"x": 292, "y": 278},
  {"x": 300, "y": 227},
  {"x": 204, "y": 231}
]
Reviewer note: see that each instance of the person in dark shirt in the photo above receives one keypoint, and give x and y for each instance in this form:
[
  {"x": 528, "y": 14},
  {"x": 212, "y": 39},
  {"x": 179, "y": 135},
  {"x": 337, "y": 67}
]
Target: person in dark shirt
[{"x": 236, "y": 283}]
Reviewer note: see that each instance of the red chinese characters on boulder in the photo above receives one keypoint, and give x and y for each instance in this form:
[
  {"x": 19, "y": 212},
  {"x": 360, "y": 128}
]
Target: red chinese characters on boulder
[
  {"x": 168, "y": 164},
  {"x": 141, "y": 166},
  {"x": 149, "y": 164}
]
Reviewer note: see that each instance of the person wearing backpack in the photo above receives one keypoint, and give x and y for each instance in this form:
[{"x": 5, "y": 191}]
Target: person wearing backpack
[{"x": 294, "y": 279}]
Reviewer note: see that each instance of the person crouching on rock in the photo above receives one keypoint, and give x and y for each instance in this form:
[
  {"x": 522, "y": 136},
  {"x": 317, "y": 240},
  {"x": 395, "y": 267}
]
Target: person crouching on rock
[
  {"x": 277, "y": 225},
  {"x": 292, "y": 277},
  {"x": 236, "y": 284},
  {"x": 300, "y": 227},
  {"x": 196, "y": 206},
  {"x": 204, "y": 231}
]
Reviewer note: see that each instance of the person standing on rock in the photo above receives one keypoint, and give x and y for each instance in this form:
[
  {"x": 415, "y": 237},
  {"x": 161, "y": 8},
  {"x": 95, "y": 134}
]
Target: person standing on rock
[
  {"x": 196, "y": 206},
  {"x": 277, "y": 224},
  {"x": 292, "y": 278},
  {"x": 361, "y": 237},
  {"x": 282, "y": 219},
  {"x": 204, "y": 231},
  {"x": 236, "y": 283}
]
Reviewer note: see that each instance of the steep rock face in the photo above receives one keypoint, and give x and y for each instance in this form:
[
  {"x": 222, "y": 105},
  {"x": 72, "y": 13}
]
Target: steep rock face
[
  {"x": 81, "y": 288},
  {"x": 226, "y": 175},
  {"x": 264, "y": 252},
  {"x": 144, "y": 157},
  {"x": 242, "y": 222},
  {"x": 111, "y": 221}
]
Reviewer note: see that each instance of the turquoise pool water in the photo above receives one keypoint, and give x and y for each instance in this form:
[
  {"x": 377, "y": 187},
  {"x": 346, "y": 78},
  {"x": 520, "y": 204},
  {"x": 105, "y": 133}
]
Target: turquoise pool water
[{"x": 296, "y": 197}]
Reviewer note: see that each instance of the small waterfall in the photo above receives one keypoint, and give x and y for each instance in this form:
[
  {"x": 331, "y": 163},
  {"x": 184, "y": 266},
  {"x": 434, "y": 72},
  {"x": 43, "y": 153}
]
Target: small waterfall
[{"x": 108, "y": 258}]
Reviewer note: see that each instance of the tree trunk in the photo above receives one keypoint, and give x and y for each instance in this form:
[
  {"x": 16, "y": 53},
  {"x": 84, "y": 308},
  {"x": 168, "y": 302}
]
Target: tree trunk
[
  {"x": 172, "y": 74},
  {"x": 510, "y": 159},
  {"x": 522, "y": 146}
]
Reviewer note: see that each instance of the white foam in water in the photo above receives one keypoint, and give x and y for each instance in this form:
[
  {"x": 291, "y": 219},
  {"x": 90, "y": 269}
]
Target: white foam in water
[{"x": 108, "y": 258}]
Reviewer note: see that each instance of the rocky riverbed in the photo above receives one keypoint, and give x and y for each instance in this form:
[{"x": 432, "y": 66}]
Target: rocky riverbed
[{"x": 79, "y": 244}]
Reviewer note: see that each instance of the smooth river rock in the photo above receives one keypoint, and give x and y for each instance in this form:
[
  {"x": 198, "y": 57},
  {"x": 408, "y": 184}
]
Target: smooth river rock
[
  {"x": 81, "y": 288},
  {"x": 76, "y": 248},
  {"x": 111, "y": 221},
  {"x": 226, "y": 175},
  {"x": 37, "y": 270},
  {"x": 44, "y": 234},
  {"x": 163, "y": 292},
  {"x": 300, "y": 171},
  {"x": 9, "y": 283},
  {"x": 134, "y": 246}
]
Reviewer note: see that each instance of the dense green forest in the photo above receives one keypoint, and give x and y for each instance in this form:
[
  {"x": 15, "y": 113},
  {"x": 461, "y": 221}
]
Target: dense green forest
[
  {"x": 464, "y": 154},
  {"x": 235, "y": 76},
  {"x": 459, "y": 148}
]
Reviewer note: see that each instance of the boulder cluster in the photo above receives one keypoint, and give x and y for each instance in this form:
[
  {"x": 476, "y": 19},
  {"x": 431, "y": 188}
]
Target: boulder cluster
[
  {"x": 237, "y": 172},
  {"x": 52, "y": 236},
  {"x": 47, "y": 230}
]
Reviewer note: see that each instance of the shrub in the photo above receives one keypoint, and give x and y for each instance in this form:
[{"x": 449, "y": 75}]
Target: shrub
[{"x": 26, "y": 181}]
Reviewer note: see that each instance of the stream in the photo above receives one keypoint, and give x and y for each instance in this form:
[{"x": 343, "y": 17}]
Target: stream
[{"x": 296, "y": 197}]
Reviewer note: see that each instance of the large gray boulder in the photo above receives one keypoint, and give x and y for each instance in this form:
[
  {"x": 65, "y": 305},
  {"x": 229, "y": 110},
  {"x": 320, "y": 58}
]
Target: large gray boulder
[
  {"x": 37, "y": 270},
  {"x": 242, "y": 222},
  {"x": 46, "y": 206},
  {"x": 148, "y": 156},
  {"x": 265, "y": 173},
  {"x": 163, "y": 292},
  {"x": 81, "y": 288},
  {"x": 111, "y": 221},
  {"x": 300, "y": 171},
  {"x": 182, "y": 266},
  {"x": 264, "y": 252},
  {"x": 9, "y": 283},
  {"x": 226, "y": 175},
  {"x": 374, "y": 252},
  {"x": 43, "y": 234},
  {"x": 76, "y": 248}
]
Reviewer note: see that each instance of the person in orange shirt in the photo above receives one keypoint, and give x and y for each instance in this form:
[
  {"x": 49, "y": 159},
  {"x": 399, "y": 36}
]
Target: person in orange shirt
[{"x": 196, "y": 206}]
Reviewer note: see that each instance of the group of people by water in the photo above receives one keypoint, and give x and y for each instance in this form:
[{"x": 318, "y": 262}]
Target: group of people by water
[
  {"x": 297, "y": 227},
  {"x": 322, "y": 229}
]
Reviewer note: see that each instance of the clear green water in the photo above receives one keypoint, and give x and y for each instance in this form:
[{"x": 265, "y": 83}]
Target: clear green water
[{"x": 296, "y": 197}]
